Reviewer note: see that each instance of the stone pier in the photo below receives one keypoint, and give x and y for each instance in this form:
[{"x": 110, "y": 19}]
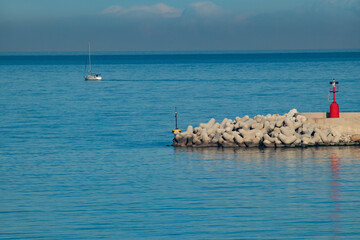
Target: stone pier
[
  {"x": 289, "y": 130},
  {"x": 347, "y": 124}
]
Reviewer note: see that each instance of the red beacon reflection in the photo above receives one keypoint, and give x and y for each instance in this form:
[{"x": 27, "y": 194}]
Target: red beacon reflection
[{"x": 334, "y": 107}]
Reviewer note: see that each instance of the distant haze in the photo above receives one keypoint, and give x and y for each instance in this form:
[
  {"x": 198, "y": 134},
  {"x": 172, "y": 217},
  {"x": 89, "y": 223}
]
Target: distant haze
[{"x": 113, "y": 25}]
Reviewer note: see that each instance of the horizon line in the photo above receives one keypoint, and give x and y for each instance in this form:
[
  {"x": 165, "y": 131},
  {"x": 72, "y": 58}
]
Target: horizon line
[{"x": 189, "y": 51}]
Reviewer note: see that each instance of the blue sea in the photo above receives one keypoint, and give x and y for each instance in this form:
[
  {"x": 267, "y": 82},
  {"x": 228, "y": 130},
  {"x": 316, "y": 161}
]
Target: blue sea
[{"x": 91, "y": 160}]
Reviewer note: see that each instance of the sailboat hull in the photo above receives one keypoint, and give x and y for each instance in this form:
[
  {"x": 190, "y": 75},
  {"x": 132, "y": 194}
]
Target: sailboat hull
[{"x": 92, "y": 78}]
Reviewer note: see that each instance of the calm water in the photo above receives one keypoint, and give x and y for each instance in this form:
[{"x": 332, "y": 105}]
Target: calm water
[{"x": 88, "y": 160}]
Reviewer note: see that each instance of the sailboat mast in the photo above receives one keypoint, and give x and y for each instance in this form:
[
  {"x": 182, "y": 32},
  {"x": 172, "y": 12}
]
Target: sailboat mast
[{"x": 89, "y": 60}]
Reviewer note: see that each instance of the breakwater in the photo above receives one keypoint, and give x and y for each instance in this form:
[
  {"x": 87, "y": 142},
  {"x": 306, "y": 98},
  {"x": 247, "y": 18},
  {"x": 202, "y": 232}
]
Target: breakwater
[{"x": 289, "y": 130}]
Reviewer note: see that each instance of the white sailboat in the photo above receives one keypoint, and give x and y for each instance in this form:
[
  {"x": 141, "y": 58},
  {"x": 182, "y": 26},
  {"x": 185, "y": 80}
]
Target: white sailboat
[{"x": 92, "y": 76}]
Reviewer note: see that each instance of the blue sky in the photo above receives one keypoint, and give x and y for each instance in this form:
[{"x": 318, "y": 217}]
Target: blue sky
[{"x": 174, "y": 25}]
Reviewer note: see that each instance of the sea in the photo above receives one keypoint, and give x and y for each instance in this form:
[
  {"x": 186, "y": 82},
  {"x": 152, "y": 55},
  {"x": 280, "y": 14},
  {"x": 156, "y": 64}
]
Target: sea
[{"x": 93, "y": 160}]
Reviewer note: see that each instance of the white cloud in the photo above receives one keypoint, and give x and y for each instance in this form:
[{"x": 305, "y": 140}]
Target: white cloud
[
  {"x": 337, "y": 7},
  {"x": 112, "y": 9},
  {"x": 204, "y": 9},
  {"x": 345, "y": 2},
  {"x": 159, "y": 9},
  {"x": 353, "y": 5}
]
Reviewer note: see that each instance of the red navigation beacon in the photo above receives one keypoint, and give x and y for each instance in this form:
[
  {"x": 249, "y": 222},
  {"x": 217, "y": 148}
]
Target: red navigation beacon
[{"x": 334, "y": 107}]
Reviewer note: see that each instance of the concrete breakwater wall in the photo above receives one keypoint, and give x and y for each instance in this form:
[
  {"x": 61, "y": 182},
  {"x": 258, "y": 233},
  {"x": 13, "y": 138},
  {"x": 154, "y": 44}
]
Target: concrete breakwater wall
[{"x": 289, "y": 130}]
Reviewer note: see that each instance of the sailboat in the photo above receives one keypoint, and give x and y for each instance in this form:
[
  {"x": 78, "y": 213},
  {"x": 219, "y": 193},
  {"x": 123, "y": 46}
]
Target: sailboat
[{"x": 92, "y": 76}]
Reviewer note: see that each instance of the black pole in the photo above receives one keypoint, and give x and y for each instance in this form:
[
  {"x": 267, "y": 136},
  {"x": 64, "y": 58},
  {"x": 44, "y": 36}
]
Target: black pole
[{"x": 175, "y": 119}]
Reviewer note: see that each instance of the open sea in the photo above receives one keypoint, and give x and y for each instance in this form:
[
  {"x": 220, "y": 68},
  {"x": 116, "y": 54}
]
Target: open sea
[{"x": 90, "y": 160}]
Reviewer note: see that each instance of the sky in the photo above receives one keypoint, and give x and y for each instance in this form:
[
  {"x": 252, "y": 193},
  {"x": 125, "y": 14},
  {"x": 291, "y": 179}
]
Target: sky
[{"x": 178, "y": 25}]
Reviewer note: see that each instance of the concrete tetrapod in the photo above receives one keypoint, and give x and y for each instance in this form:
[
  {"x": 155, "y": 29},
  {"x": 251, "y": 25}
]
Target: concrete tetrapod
[{"x": 288, "y": 130}]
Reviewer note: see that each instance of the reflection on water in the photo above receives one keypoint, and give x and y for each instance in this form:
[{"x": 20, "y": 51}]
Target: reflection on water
[
  {"x": 317, "y": 187},
  {"x": 317, "y": 154},
  {"x": 335, "y": 193}
]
